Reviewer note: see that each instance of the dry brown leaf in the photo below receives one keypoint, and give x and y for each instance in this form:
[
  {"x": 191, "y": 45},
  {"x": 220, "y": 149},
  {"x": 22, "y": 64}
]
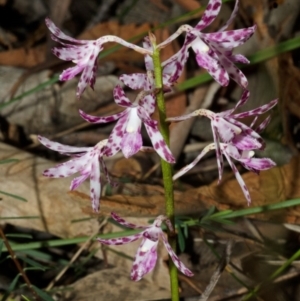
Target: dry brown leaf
[
  {"x": 134, "y": 167},
  {"x": 189, "y": 5},
  {"x": 289, "y": 93},
  {"x": 269, "y": 187},
  {"x": 160, "y": 5},
  {"x": 45, "y": 199},
  {"x": 22, "y": 57}
]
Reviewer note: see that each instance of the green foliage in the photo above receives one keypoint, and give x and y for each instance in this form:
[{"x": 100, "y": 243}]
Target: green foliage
[
  {"x": 8, "y": 161},
  {"x": 42, "y": 294},
  {"x": 14, "y": 196},
  {"x": 181, "y": 235},
  {"x": 11, "y": 287},
  {"x": 19, "y": 235},
  {"x": 19, "y": 217},
  {"x": 31, "y": 262}
]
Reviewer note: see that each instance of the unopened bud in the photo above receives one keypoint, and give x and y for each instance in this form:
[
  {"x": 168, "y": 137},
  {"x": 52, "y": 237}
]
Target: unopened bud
[{"x": 152, "y": 38}]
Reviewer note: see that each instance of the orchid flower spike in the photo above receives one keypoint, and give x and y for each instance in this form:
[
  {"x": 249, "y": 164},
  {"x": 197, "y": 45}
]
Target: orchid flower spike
[
  {"x": 126, "y": 135},
  {"x": 146, "y": 255},
  {"x": 86, "y": 161}
]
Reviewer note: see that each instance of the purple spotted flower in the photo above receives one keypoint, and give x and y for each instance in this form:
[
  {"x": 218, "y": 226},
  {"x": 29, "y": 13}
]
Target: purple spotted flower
[
  {"x": 85, "y": 160},
  {"x": 240, "y": 150},
  {"x": 84, "y": 54},
  {"x": 244, "y": 157},
  {"x": 226, "y": 127},
  {"x": 126, "y": 135},
  {"x": 146, "y": 255},
  {"x": 231, "y": 151},
  {"x": 214, "y": 50}
]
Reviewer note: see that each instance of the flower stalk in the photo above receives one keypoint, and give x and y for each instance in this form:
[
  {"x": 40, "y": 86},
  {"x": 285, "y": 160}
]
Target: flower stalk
[
  {"x": 166, "y": 167},
  {"x": 233, "y": 139}
]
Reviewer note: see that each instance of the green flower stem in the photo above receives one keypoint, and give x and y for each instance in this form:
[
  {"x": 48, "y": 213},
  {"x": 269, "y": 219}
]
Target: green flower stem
[{"x": 166, "y": 167}]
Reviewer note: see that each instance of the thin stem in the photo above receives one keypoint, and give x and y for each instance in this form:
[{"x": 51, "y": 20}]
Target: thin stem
[
  {"x": 179, "y": 31},
  {"x": 115, "y": 39},
  {"x": 166, "y": 167},
  {"x": 15, "y": 260},
  {"x": 73, "y": 259}
]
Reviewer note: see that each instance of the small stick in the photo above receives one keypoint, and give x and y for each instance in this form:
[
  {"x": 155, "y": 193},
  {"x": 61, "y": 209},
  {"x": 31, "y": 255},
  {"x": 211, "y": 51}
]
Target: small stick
[
  {"x": 216, "y": 275},
  {"x": 73, "y": 259},
  {"x": 15, "y": 260}
]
